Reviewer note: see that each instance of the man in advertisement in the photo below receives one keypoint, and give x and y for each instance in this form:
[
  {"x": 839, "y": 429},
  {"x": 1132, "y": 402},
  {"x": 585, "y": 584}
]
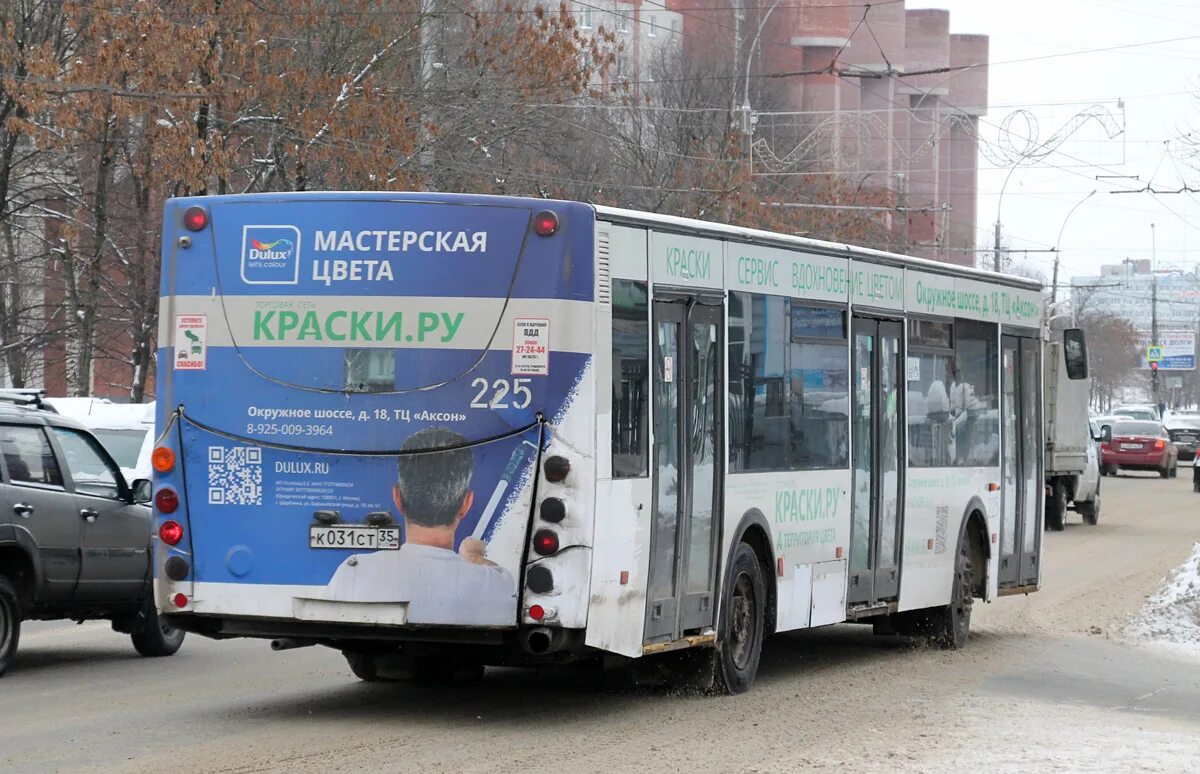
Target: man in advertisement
[{"x": 433, "y": 494}]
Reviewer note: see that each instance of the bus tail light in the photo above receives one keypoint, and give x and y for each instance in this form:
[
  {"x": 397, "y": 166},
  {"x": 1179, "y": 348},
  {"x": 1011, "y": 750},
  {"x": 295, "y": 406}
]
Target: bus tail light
[
  {"x": 539, "y": 580},
  {"x": 177, "y": 568},
  {"x": 163, "y": 459},
  {"x": 545, "y": 542},
  {"x": 170, "y": 532},
  {"x": 556, "y": 469},
  {"x": 537, "y": 612},
  {"x": 552, "y": 510},
  {"x": 179, "y": 600},
  {"x": 545, "y": 223},
  {"x": 166, "y": 501},
  {"x": 195, "y": 218}
]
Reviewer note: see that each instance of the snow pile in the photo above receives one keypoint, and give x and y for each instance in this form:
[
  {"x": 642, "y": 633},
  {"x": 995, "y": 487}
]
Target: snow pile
[{"x": 1172, "y": 614}]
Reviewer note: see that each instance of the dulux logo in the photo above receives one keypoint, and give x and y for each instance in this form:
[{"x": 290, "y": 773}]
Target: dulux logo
[
  {"x": 266, "y": 250},
  {"x": 270, "y": 255}
]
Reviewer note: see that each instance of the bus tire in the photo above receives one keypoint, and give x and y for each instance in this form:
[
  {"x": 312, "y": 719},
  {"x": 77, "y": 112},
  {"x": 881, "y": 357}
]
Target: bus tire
[
  {"x": 10, "y": 623},
  {"x": 739, "y": 645},
  {"x": 1056, "y": 507},
  {"x": 156, "y": 639},
  {"x": 950, "y": 626}
]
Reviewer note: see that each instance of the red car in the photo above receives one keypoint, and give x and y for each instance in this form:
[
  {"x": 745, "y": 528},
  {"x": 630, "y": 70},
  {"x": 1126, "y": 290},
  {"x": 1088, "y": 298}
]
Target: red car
[{"x": 1139, "y": 445}]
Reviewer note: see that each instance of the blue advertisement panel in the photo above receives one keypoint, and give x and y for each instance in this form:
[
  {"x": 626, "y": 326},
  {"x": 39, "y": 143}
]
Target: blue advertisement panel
[{"x": 358, "y": 387}]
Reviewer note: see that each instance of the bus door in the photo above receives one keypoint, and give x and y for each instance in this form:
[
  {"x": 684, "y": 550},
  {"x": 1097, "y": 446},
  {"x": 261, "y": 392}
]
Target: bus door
[
  {"x": 688, "y": 347},
  {"x": 1021, "y": 487},
  {"x": 877, "y": 440}
]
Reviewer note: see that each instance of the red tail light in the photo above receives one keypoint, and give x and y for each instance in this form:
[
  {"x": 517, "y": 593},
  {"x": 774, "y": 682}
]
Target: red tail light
[
  {"x": 1160, "y": 444},
  {"x": 537, "y": 612},
  {"x": 170, "y": 532},
  {"x": 545, "y": 542},
  {"x": 545, "y": 223},
  {"x": 166, "y": 500},
  {"x": 195, "y": 218},
  {"x": 179, "y": 600}
]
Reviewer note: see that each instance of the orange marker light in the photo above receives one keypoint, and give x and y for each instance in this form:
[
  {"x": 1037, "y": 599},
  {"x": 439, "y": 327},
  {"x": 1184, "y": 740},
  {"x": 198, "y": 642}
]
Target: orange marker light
[{"x": 163, "y": 459}]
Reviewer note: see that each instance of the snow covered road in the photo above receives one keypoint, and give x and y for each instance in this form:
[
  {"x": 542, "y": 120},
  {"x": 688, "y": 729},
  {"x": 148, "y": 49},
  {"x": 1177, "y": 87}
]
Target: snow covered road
[{"x": 1056, "y": 680}]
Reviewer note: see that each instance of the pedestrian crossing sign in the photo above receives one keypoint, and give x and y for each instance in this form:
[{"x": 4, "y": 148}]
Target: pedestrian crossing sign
[{"x": 1154, "y": 354}]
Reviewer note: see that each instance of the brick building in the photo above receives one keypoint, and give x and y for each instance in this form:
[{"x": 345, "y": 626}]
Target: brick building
[{"x": 877, "y": 126}]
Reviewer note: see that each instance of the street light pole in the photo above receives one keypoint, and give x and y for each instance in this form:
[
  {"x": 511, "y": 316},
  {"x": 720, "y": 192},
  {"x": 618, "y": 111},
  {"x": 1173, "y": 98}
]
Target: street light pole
[{"x": 1058, "y": 243}]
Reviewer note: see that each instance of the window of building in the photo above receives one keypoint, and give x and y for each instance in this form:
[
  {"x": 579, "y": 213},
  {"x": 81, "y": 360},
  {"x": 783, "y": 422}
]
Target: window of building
[
  {"x": 788, "y": 377},
  {"x": 370, "y": 370},
  {"x": 585, "y": 18},
  {"x": 630, "y": 363},
  {"x": 652, "y": 27},
  {"x": 674, "y": 27}
]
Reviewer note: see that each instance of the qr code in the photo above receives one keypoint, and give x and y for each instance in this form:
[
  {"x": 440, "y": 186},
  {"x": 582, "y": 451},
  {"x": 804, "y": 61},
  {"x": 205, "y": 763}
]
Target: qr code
[
  {"x": 235, "y": 475},
  {"x": 939, "y": 529}
]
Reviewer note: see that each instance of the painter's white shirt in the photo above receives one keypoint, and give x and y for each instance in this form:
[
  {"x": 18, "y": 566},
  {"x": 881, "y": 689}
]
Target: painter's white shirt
[{"x": 439, "y": 586}]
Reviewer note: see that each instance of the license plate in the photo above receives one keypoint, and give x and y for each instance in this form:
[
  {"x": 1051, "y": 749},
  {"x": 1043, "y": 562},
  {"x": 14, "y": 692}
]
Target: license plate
[
  {"x": 355, "y": 537},
  {"x": 1131, "y": 446}
]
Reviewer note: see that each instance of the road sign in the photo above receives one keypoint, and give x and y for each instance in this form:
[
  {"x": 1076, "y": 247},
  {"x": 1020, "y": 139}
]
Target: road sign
[{"x": 1174, "y": 351}]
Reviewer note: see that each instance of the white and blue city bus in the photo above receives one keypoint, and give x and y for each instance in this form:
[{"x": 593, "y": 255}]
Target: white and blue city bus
[{"x": 438, "y": 431}]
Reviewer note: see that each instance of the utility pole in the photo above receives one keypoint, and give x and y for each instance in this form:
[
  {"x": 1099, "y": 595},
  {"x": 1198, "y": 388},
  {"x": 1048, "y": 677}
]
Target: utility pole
[
  {"x": 996, "y": 248},
  {"x": 1154, "y": 336}
]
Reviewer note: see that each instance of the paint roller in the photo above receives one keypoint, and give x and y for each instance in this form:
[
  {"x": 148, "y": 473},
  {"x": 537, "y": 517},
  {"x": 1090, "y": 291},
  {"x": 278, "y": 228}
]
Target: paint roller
[{"x": 485, "y": 523}]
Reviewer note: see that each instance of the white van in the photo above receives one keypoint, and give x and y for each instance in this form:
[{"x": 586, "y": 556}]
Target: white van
[{"x": 125, "y": 429}]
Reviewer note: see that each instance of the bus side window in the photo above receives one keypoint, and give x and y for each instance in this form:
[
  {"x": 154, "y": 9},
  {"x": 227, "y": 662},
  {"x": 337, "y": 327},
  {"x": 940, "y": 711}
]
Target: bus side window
[
  {"x": 630, "y": 383},
  {"x": 818, "y": 378},
  {"x": 930, "y": 368}
]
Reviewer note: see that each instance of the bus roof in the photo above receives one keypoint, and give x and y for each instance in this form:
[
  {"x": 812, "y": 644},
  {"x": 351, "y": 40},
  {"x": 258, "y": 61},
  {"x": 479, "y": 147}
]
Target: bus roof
[
  {"x": 816, "y": 245},
  {"x": 638, "y": 217}
]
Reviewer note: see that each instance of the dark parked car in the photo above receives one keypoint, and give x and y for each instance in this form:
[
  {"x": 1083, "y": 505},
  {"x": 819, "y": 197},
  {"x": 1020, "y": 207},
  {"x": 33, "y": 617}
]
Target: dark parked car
[
  {"x": 1139, "y": 445},
  {"x": 1185, "y": 432},
  {"x": 75, "y": 541}
]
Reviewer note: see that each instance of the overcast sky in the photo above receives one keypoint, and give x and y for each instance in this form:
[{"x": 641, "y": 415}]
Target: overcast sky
[{"x": 1156, "y": 84}]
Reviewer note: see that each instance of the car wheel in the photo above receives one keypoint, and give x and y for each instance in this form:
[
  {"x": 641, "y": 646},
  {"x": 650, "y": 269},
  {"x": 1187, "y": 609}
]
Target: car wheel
[
  {"x": 742, "y": 624},
  {"x": 1164, "y": 472},
  {"x": 10, "y": 623},
  {"x": 1056, "y": 507},
  {"x": 1090, "y": 511},
  {"x": 156, "y": 638}
]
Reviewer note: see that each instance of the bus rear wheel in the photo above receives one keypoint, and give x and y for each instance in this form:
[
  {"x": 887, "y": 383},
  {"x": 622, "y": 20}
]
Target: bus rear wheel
[{"x": 739, "y": 646}]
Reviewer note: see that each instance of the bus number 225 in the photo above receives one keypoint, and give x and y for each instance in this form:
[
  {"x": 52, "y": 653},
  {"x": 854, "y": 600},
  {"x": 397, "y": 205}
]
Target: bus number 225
[{"x": 501, "y": 389}]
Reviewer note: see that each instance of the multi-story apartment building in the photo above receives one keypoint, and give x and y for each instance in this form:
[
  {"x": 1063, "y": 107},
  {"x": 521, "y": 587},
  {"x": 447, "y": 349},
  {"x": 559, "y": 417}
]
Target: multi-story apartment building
[{"x": 1134, "y": 291}]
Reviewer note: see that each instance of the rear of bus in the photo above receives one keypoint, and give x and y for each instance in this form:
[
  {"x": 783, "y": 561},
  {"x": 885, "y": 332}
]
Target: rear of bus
[{"x": 365, "y": 400}]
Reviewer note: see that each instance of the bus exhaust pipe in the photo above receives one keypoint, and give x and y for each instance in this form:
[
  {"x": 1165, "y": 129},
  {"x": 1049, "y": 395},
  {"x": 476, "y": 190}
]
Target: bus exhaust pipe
[
  {"x": 290, "y": 643},
  {"x": 540, "y": 641}
]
